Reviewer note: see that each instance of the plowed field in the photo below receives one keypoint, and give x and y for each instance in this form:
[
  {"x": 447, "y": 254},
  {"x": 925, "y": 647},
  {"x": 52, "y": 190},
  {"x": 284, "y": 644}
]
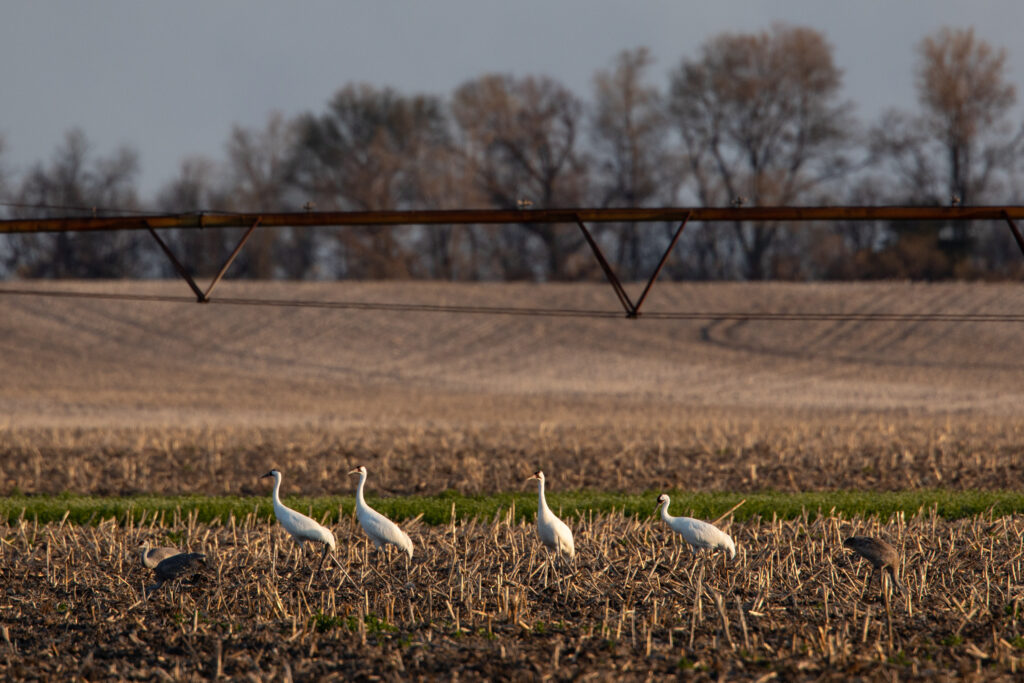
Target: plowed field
[
  {"x": 112, "y": 362},
  {"x": 123, "y": 394},
  {"x": 135, "y": 388}
]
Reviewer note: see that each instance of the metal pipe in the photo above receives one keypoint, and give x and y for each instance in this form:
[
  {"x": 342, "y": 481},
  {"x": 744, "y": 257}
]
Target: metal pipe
[{"x": 467, "y": 217}]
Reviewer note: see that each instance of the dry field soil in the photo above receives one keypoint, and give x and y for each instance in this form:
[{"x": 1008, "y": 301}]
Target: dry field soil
[{"x": 118, "y": 388}]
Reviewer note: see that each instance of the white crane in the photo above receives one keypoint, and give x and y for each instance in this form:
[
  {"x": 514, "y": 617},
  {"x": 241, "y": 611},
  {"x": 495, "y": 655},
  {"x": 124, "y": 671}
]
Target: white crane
[
  {"x": 553, "y": 532},
  {"x": 698, "y": 533},
  {"x": 151, "y": 557},
  {"x": 381, "y": 530},
  {"x": 301, "y": 527}
]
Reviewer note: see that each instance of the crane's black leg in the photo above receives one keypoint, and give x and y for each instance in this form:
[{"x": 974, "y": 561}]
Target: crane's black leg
[
  {"x": 323, "y": 556},
  {"x": 895, "y": 582},
  {"x": 299, "y": 556}
]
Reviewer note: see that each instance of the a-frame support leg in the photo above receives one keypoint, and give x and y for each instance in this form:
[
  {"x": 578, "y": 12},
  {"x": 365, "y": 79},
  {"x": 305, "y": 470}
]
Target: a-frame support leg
[
  {"x": 201, "y": 296},
  {"x": 632, "y": 310},
  {"x": 1016, "y": 232},
  {"x": 613, "y": 279},
  {"x": 661, "y": 264}
]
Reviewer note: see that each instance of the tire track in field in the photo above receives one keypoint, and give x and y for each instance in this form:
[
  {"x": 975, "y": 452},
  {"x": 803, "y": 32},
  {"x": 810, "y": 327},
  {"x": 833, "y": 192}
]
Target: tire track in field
[{"x": 899, "y": 344}]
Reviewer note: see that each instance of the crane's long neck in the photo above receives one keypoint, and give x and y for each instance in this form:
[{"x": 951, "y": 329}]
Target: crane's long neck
[
  {"x": 277, "y": 491},
  {"x": 359, "y": 490},
  {"x": 664, "y": 513},
  {"x": 542, "y": 503}
]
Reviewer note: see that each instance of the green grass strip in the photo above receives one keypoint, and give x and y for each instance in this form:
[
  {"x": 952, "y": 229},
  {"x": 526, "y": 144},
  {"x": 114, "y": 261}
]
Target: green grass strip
[{"x": 438, "y": 509}]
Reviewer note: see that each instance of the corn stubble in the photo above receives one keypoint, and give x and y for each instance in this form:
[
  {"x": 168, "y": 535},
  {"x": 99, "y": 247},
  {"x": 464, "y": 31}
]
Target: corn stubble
[
  {"x": 482, "y": 599},
  {"x": 624, "y": 448}
]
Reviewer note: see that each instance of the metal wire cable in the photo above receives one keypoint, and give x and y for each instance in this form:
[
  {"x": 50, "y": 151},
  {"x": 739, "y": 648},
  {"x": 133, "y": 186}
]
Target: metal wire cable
[{"x": 533, "y": 311}]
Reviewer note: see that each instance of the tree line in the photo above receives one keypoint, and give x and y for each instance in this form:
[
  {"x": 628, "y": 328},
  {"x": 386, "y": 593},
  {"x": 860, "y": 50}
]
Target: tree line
[{"x": 757, "y": 119}]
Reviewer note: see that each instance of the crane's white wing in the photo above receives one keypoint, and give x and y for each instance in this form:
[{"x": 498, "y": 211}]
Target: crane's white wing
[
  {"x": 302, "y": 528},
  {"x": 555, "y": 534},
  {"x": 700, "y": 534},
  {"x": 382, "y": 530}
]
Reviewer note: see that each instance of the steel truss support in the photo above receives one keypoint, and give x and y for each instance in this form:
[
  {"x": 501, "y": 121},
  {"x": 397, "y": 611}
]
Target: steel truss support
[
  {"x": 1016, "y": 233},
  {"x": 201, "y": 296},
  {"x": 580, "y": 216},
  {"x": 609, "y": 273},
  {"x": 632, "y": 309}
]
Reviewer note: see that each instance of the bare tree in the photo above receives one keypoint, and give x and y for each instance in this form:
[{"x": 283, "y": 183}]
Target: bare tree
[
  {"x": 962, "y": 84},
  {"x": 4, "y": 180},
  {"x": 960, "y": 148},
  {"x": 451, "y": 252},
  {"x": 519, "y": 136},
  {"x": 198, "y": 187},
  {"x": 77, "y": 183},
  {"x": 361, "y": 155},
  {"x": 259, "y": 169},
  {"x": 8, "y": 243},
  {"x": 761, "y": 122},
  {"x": 962, "y": 140},
  {"x": 629, "y": 131}
]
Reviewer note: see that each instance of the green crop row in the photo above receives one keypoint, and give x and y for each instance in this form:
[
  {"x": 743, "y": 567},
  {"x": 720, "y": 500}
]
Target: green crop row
[{"x": 439, "y": 509}]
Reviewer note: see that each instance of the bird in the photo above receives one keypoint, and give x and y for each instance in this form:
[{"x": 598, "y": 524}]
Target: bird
[
  {"x": 553, "y": 532},
  {"x": 301, "y": 527},
  {"x": 151, "y": 557},
  {"x": 381, "y": 530},
  {"x": 696, "y": 532},
  {"x": 880, "y": 554},
  {"x": 177, "y": 565}
]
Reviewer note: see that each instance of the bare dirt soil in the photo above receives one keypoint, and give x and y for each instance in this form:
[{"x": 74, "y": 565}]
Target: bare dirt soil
[
  {"x": 82, "y": 362},
  {"x": 481, "y": 600},
  {"x": 118, "y": 395},
  {"x": 124, "y": 394}
]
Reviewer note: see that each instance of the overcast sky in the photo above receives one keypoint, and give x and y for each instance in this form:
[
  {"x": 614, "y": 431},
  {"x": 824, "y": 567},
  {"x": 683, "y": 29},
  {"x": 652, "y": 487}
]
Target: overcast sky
[{"x": 171, "y": 78}]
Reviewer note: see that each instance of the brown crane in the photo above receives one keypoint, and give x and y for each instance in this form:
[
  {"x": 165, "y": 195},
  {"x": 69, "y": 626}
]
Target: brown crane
[
  {"x": 880, "y": 554},
  {"x": 176, "y": 566},
  {"x": 151, "y": 557}
]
